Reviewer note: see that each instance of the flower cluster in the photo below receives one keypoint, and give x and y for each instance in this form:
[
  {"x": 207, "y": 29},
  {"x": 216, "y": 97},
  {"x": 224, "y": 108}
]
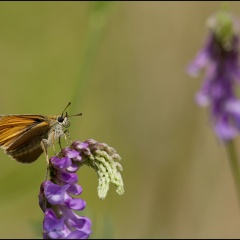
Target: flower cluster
[
  {"x": 103, "y": 159},
  {"x": 56, "y": 201},
  {"x": 55, "y": 197},
  {"x": 220, "y": 59}
]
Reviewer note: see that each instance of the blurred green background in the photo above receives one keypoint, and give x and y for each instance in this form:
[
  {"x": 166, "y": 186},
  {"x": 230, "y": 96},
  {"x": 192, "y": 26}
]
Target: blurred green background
[{"x": 123, "y": 64}]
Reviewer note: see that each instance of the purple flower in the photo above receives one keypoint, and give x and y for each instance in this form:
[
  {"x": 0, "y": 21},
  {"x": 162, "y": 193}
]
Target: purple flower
[
  {"x": 57, "y": 202},
  {"x": 56, "y": 196},
  {"x": 220, "y": 59}
]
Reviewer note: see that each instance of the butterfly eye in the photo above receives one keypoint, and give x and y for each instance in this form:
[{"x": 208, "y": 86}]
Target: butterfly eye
[{"x": 60, "y": 119}]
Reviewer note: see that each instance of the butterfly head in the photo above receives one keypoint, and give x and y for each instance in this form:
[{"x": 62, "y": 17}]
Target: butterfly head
[{"x": 64, "y": 121}]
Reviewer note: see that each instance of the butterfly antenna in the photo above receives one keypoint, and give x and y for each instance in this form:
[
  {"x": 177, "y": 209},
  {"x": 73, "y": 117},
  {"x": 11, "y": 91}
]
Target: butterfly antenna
[
  {"x": 66, "y": 108},
  {"x": 79, "y": 114}
]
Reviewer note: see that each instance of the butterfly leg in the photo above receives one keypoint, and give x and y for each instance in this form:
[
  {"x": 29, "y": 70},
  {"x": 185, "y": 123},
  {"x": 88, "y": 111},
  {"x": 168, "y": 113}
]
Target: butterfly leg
[
  {"x": 47, "y": 158},
  {"x": 59, "y": 139},
  {"x": 59, "y": 142},
  {"x": 68, "y": 134},
  {"x": 45, "y": 150},
  {"x": 53, "y": 146}
]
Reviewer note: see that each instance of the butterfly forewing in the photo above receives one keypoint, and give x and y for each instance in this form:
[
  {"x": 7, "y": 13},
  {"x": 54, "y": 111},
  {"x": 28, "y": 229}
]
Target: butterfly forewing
[
  {"x": 32, "y": 135},
  {"x": 13, "y": 126}
]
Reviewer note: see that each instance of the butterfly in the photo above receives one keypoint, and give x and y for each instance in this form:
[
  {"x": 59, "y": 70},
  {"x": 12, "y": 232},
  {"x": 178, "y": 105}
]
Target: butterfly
[{"x": 25, "y": 137}]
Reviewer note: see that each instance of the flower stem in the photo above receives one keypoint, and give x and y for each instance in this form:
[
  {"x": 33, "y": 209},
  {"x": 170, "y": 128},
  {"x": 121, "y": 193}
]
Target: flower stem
[{"x": 234, "y": 165}]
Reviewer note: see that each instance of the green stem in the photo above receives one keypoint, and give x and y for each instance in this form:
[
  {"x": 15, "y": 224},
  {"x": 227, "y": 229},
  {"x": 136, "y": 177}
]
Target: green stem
[{"x": 234, "y": 165}]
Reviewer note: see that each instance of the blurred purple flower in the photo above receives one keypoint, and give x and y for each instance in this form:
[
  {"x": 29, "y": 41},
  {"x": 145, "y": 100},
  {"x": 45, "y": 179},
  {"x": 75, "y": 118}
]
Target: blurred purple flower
[{"x": 220, "y": 59}]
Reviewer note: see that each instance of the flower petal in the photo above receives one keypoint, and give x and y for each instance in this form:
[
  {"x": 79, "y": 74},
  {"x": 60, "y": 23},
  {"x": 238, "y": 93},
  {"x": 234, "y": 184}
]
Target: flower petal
[
  {"x": 76, "y": 203},
  {"x": 71, "y": 153},
  {"x": 54, "y": 193},
  {"x": 63, "y": 162},
  {"x": 51, "y": 222},
  {"x": 77, "y": 234}
]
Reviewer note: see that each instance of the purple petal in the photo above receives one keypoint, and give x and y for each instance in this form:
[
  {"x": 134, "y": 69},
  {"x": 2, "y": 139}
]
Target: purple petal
[
  {"x": 225, "y": 131},
  {"x": 68, "y": 177},
  {"x": 80, "y": 145},
  {"x": 198, "y": 63},
  {"x": 78, "y": 158},
  {"x": 75, "y": 189},
  {"x": 233, "y": 106},
  {"x": 202, "y": 99},
  {"x": 51, "y": 222},
  {"x": 73, "y": 168},
  {"x": 78, "y": 222},
  {"x": 61, "y": 162},
  {"x": 71, "y": 153},
  {"x": 54, "y": 193},
  {"x": 236, "y": 72},
  {"x": 77, "y": 234},
  {"x": 76, "y": 203},
  {"x": 58, "y": 233}
]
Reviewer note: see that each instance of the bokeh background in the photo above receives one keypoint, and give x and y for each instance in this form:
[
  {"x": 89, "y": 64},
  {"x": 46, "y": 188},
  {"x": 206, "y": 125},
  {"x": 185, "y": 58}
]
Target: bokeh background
[{"x": 123, "y": 64}]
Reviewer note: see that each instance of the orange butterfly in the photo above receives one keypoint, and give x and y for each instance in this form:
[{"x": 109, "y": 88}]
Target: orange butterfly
[{"x": 25, "y": 137}]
